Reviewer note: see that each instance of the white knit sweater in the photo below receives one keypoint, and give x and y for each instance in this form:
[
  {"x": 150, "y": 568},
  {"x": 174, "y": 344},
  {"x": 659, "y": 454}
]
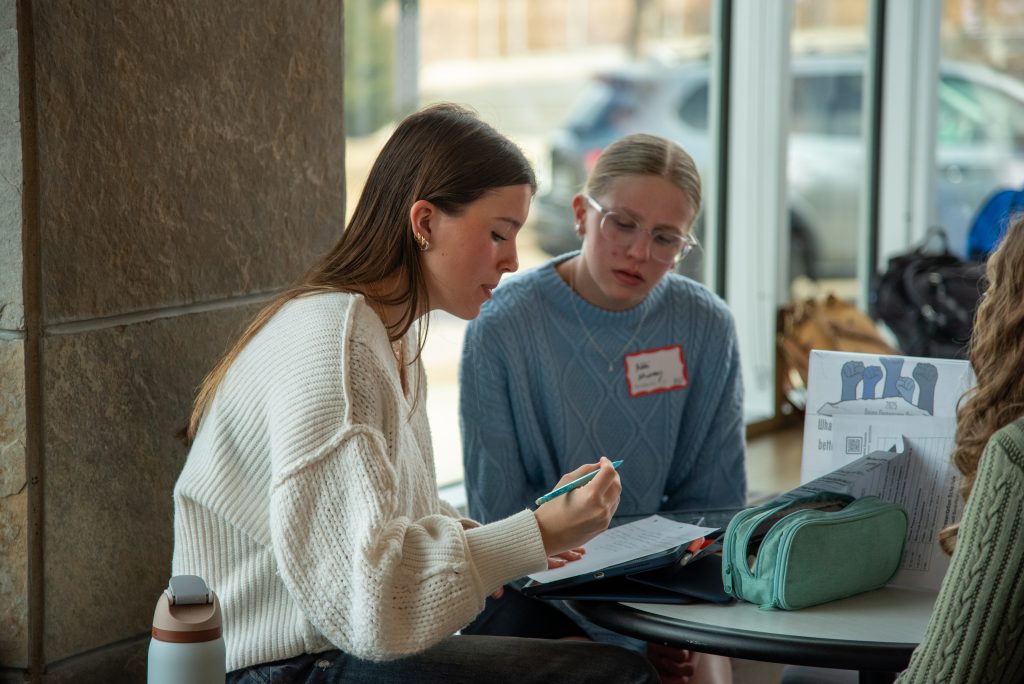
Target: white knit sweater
[{"x": 308, "y": 501}]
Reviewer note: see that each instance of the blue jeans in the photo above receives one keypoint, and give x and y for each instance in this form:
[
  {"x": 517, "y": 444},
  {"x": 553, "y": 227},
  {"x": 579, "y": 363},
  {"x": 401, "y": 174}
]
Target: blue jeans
[{"x": 468, "y": 660}]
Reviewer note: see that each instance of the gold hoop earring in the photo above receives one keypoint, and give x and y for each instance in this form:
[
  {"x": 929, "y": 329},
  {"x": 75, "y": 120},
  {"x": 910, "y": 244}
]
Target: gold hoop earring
[{"x": 421, "y": 241}]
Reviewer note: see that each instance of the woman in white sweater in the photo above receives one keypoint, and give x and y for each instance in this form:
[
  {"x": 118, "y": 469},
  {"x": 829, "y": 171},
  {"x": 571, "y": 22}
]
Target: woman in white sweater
[{"x": 308, "y": 501}]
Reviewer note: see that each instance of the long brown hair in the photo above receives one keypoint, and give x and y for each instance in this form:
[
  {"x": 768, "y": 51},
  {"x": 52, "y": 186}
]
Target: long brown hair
[
  {"x": 443, "y": 154},
  {"x": 997, "y": 355}
]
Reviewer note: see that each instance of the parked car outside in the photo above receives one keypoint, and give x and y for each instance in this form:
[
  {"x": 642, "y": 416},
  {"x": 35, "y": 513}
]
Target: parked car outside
[{"x": 980, "y": 147}]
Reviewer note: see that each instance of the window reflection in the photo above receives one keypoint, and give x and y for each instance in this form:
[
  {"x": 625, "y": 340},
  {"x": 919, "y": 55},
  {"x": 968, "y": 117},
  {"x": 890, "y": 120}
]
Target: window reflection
[
  {"x": 828, "y": 104},
  {"x": 563, "y": 78},
  {"x": 826, "y": 148},
  {"x": 974, "y": 112},
  {"x": 980, "y": 116}
]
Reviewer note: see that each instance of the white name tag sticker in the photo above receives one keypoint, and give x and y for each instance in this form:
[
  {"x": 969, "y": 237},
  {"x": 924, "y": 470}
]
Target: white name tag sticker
[{"x": 656, "y": 370}]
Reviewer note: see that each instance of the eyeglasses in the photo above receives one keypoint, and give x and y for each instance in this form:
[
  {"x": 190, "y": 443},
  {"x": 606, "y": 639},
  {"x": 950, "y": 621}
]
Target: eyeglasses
[{"x": 665, "y": 247}]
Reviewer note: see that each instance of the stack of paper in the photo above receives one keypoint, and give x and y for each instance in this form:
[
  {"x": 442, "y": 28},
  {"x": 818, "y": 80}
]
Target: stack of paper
[
  {"x": 625, "y": 543},
  {"x": 859, "y": 404}
]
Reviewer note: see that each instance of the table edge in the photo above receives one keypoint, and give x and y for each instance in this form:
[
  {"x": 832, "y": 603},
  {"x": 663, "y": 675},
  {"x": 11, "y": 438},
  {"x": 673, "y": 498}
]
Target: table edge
[{"x": 813, "y": 651}]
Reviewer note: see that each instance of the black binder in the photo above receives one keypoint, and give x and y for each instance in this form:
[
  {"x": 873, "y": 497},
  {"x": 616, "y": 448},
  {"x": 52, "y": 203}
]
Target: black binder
[{"x": 668, "y": 577}]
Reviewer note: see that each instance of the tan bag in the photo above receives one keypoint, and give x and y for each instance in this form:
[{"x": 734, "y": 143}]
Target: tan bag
[{"x": 830, "y": 324}]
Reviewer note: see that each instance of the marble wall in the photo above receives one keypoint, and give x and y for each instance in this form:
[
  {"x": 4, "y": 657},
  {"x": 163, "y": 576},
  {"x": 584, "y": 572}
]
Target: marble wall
[{"x": 186, "y": 163}]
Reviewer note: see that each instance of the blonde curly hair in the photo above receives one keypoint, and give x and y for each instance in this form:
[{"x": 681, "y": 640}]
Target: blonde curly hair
[{"x": 996, "y": 352}]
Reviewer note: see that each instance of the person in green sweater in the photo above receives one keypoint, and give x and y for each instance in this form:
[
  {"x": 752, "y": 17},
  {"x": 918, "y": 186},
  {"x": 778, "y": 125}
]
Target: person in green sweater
[{"x": 975, "y": 630}]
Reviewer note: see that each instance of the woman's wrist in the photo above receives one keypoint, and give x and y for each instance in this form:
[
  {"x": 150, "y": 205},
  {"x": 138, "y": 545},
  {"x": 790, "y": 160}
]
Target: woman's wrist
[{"x": 547, "y": 533}]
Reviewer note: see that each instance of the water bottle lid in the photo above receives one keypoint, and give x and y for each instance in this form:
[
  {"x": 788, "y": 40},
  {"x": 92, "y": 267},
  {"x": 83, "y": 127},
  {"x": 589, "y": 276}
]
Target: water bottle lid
[{"x": 187, "y": 612}]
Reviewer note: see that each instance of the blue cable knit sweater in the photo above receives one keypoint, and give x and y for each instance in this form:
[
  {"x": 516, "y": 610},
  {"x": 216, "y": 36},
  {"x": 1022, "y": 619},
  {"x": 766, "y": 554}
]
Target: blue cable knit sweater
[{"x": 537, "y": 399}]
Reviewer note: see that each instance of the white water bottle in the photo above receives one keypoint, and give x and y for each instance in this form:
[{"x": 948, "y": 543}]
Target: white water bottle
[{"x": 187, "y": 646}]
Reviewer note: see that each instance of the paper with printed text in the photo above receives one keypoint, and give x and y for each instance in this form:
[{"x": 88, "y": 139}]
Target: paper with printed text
[
  {"x": 625, "y": 543},
  {"x": 922, "y": 392}
]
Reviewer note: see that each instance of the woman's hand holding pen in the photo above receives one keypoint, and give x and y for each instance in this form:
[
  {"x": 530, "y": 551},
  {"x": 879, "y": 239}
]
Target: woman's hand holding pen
[{"x": 573, "y": 519}]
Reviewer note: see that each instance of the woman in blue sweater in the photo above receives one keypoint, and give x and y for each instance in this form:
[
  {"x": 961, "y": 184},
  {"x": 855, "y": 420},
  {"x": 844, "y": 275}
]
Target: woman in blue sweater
[{"x": 607, "y": 351}]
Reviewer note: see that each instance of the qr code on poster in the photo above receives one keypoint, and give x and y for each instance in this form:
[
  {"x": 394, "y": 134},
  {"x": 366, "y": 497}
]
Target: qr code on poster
[{"x": 854, "y": 445}]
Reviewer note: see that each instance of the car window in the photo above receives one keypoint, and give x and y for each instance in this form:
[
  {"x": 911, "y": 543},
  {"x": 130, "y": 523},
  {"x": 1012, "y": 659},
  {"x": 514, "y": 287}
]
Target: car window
[
  {"x": 587, "y": 109},
  {"x": 970, "y": 112},
  {"x": 604, "y": 106},
  {"x": 827, "y": 104},
  {"x": 693, "y": 110}
]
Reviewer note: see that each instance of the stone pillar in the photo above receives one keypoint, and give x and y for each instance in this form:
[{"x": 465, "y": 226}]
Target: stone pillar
[
  {"x": 165, "y": 167},
  {"x": 13, "y": 481}
]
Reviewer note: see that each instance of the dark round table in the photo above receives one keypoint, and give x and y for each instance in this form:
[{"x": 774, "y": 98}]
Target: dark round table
[{"x": 873, "y": 633}]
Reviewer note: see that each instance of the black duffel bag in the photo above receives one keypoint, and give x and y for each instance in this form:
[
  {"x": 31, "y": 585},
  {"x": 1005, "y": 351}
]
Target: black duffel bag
[{"x": 928, "y": 299}]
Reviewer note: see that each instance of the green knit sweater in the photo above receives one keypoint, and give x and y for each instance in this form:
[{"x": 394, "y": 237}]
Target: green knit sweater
[{"x": 976, "y": 632}]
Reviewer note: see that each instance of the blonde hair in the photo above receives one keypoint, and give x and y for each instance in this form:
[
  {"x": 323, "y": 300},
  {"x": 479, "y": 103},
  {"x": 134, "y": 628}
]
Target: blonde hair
[
  {"x": 996, "y": 352},
  {"x": 641, "y": 154},
  {"x": 443, "y": 154}
]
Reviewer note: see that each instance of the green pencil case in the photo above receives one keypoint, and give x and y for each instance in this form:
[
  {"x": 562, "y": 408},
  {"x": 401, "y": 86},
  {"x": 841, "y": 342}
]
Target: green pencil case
[{"x": 812, "y": 550}]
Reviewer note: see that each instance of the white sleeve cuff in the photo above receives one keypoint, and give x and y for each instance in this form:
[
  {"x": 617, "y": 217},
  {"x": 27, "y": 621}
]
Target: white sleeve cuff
[{"x": 506, "y": 550}]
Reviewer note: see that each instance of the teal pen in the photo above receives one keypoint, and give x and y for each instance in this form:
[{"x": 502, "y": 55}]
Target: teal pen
[{"x": 578, "y": 482}]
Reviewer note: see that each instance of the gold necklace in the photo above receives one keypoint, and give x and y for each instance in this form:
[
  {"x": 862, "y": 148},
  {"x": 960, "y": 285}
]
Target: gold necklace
[
  {"x": 398, "y": 349},
  {"x": 572, "y": 300}
]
